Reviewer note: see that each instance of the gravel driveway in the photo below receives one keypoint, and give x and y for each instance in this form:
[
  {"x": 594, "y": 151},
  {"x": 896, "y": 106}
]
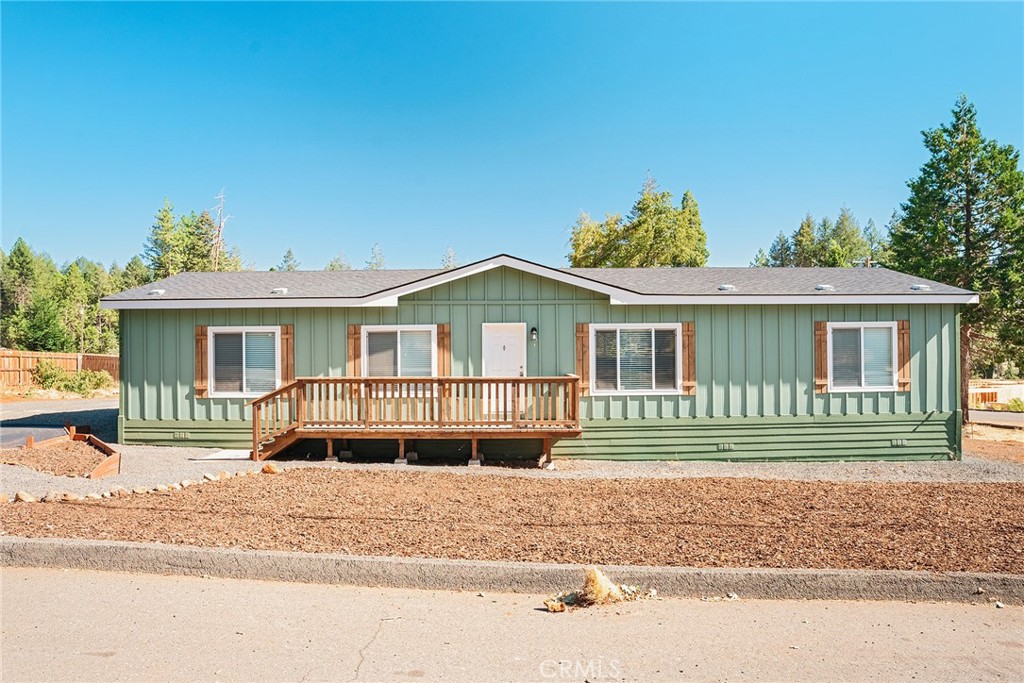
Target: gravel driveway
[{"x": 150, "y": 466}]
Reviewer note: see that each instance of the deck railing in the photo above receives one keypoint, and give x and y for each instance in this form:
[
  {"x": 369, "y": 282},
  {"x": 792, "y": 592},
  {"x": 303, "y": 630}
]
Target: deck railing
[{"x": 420, "y": 403}]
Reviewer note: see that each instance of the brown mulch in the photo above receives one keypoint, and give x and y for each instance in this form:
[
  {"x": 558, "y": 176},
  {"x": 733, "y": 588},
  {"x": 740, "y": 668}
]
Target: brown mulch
[
  {"x": 683, "y": 522},
  {"x": 1006, "y": 451},
  {"x": 65, "y": 458}
]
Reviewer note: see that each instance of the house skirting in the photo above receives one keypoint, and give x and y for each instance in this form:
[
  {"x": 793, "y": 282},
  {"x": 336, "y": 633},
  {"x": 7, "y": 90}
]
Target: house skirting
[{"x": 915, "y": 436}]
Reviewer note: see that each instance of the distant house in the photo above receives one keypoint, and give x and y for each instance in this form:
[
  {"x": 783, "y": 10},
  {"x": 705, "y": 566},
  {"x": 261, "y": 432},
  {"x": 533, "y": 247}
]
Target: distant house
[{"x": 505, "y": 357}]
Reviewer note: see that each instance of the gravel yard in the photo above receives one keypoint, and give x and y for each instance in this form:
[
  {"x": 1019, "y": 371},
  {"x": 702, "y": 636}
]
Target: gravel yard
[
  {"x": 684, "y": 522},
  {"x": 63, "y": 459}
]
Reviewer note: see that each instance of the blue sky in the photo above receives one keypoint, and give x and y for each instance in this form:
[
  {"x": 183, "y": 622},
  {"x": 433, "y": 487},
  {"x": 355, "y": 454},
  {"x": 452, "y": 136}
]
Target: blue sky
[{"x": 484, "y": 126}]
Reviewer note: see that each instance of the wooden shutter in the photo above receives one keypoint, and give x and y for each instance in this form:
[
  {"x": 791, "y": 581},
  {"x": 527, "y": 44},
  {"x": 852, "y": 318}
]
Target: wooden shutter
[
  {"x": 444, "y": 350},
  {"x": 354, "y": 364},
  {"x": 820, "y": 357},
  {"x": 202, "y": 386},
  {"x": 689, "y": 360},
  {"x": 287, "y": 354},
  {"x": 583, "y": 357},
  {"x": 903, "y": 354}
]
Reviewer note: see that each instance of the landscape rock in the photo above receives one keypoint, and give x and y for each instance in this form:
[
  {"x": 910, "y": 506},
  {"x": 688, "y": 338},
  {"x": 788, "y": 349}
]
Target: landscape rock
[
  {"x": 4, "y": 498},
  {"x": 52, "y": 497},
  {"x": 223, "y": 475},
  {"x": 24, "y": 497},
  {"x": 209, "y": 477},
  {"x": 119, "y": 491},
  {"x": 185, "y": 483},
  {"x": 160, "y": 488},
  {"x": 174, "y": 487},
  {"x": 93, "y": 496},
  {"x": 72, "y": 497},
  {"x": 140, "y": 489},
  {"x": 271, "y": 468},
  {"x": 105, "y": 494}
]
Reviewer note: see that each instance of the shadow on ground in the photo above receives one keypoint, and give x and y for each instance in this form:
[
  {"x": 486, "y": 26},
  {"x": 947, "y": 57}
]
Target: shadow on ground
[{"x": 13, "y": 430}]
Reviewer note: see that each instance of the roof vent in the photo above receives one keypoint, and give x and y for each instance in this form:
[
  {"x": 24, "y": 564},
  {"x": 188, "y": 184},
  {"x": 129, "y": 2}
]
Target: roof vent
[
  {"x": 727, "y": 288},
  {"x": 279, "y": 291},
  {"x": 825, "y": 288},
  {"x": 921, "y": 287},
  {"x": 156, "y": 292}
]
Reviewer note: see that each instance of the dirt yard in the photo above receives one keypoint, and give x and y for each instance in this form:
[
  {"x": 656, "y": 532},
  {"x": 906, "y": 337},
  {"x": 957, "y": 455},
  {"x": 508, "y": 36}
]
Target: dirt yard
[
  {"x": 683, "y": 522},
  {"x": 994, "y": 443},
  {"x": 65, "y": 459}
]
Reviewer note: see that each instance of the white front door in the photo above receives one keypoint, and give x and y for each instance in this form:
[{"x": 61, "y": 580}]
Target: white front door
[{"x": 504, "y": 347}]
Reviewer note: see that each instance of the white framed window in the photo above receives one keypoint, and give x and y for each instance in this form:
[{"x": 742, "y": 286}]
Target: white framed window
[
  {"x": 244, "y": 361},
  {"x": 399, "y": 351},
  {"x": 632, "y": 358},
  {"x": 862, "y": 356}
]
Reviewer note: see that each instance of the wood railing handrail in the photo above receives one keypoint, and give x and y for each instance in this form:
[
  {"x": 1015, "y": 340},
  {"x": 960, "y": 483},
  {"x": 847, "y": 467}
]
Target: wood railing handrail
[{"x": 543, "y": 402}]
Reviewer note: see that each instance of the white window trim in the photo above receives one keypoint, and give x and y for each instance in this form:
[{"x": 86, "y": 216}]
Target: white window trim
[
  {"x": 616, "y": 327},
  {"x": 235, "y": 329},
  {"x": 891, "y": 326},
  {"x": 367, "y": 329}
]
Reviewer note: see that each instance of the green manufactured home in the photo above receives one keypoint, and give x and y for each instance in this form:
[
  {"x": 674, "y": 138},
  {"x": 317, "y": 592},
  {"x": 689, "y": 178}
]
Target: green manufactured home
[{"x": 507, "y": 357}]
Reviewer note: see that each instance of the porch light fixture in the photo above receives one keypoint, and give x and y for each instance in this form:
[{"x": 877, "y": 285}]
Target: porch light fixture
[{"x": 533, "y": 333}]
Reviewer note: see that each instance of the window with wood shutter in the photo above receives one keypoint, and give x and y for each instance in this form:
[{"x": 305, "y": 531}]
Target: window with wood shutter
[
  {"x": 247, "y": 361},
  {"x": 399, "y": 350},
  {"x": 862, "y": 356},
  {"x": 638, "y": 359}
]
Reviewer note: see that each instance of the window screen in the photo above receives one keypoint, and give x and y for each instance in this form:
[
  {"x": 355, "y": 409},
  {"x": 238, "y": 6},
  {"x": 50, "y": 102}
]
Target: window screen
[
  {"x": 862, "y": 357},
  {"x": 405, "y": 353},
  {"x": 636, "y": 359},
  {"x": 878, "y": 365},
  {"x": 244, "y": 362}
]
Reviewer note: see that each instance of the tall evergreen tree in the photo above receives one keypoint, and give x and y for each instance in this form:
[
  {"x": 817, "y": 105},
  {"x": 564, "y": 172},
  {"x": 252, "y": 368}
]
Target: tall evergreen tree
[
  {"x": 162, "y": 248},
  {"x": 288, "y": 261},
  {"x": 962, "y": 225},
  {"x": 376, "y": 260},
  {"x": 805, "y": 249},
  {"x": 780, "y": 254}
]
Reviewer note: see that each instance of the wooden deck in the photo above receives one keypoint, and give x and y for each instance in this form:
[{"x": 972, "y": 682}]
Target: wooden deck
[{"x": 406, "y": 408}]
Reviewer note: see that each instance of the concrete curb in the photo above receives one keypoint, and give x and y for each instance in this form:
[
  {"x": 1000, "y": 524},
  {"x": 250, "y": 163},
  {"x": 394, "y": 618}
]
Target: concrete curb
[{"x": 506, "y": 577}]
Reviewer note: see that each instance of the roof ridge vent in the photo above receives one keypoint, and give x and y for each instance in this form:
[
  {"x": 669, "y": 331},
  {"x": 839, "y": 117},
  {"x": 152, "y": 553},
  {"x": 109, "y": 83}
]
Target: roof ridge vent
[
  {"x": 727, "y": 288},
  {"x": 825, "y": 288},
  {"x": 279, "y": 291},
  {"x": 921, "y": 287},
  {"x": 156, "y": 292}
]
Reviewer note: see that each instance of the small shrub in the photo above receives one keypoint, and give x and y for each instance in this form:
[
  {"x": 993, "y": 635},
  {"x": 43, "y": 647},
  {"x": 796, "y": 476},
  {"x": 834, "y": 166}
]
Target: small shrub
[
  {"x": 1015, "y": 405},
  {"x": 49, "y": 375}
]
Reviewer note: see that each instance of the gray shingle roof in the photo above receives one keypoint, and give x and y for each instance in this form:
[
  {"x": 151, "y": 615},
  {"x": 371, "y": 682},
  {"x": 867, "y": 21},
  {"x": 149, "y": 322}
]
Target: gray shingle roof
[
  {"x": 358, "y": 284},
  {"x": 760, "y": 281}
]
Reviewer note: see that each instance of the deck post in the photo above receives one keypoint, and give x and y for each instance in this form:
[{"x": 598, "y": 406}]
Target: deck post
[
  {"x": 255, "y": 432},
  {"x": 474, "y": 454},
  {"x": 330, "y": 449},
  {"x": 400, "y": 460},
  {"x": 547, "y": 451}
]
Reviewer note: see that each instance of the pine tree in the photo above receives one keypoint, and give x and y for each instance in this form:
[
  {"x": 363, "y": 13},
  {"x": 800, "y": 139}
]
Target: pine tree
[
  {"x": 962, "y": 225},
  {"x": 376, "y": 260},
  {"x": 135, "y": 274},
  {"x": 760, "y": 260},
  {"x": 805, "y": 250},
  {"x": 780, "y": 254},
  {"x": 162, "y": 247},
  {"x": 449, "y": 260},
  {"x": 288, "y": 262}
]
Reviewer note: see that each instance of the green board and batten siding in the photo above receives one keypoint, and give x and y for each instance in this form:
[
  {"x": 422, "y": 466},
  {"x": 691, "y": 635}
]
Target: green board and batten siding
[{"x": 755, "y": 366}]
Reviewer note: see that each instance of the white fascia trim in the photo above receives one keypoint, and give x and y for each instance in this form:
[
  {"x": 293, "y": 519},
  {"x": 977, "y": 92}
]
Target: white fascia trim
[
  {"x": 276, "y": 302},
  {"x": 734, "y": 299}
]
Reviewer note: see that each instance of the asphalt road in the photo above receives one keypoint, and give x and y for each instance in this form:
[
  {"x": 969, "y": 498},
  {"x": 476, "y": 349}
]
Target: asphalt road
[{"x": 90, "y": 626}]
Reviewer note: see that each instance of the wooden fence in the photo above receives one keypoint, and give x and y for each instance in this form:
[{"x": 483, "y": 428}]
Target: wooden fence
[{"x": 16, "y": 366}]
